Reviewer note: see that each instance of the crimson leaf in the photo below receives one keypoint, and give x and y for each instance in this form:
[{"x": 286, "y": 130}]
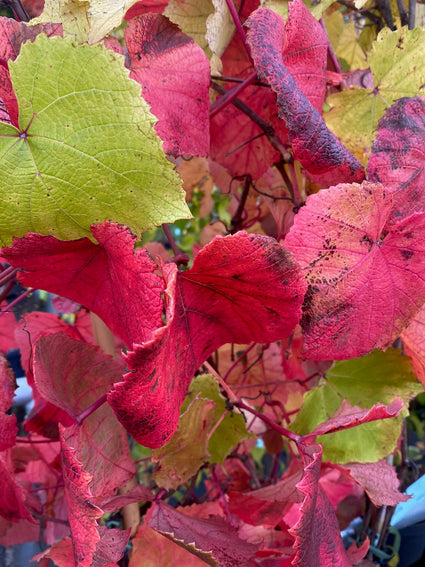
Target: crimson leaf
[
  {"x": 241, "y": 288},
  {"x": 365, "y": 283},
  {"x": 106, "y": 278}
]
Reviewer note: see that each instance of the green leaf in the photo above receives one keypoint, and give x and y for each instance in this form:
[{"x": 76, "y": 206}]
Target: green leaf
[
  {"x": 377, "y": 377},
  {"x": 316, "y": 7},
  {"x": 398, "y": 69},
  {"x": 231, "y": 430},
  {"x": 187, "y": 450},
  {"x": 86, "y": 150}
]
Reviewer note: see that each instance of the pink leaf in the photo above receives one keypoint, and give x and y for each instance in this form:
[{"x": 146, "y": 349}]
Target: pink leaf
[
  {"x": 145, "y": 6},
  {"x": 348, "y": 416},
  {"x": 73, "y": 376},
  {"x": 105, "y": 277},
  {"x": 213, "y": 537},
  {"x": 220, "y": 299},
  {"x": 318, "y": 541},
  {"x": 8, "y": 428},
  {"x": 414, "y": 344},
  {"x": 175, "y": 76},
  {"x": 234, "y": 136},
  {"x": 397, "y": 159},
  {"x": 365, "y": 283},
  {"x": 83, "y": 514},
  {"x": 111, "y": 546},
  {"x": 7, "y": 326},
  {"x": 313, "y": 144},
  {"x": 12, "y": 495},
  {"x": 379, "y": 480}
]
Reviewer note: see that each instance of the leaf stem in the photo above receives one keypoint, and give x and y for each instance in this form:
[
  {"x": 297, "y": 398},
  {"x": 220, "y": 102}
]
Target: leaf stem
[
  {"x": 7, "y": 274},
  {"x": 331, "y": 53},
  {"x": 285, "y": 432},
  {"x": 92, "y": 408},
  {"x": 179, "y": 257},
  {"x": 268, "y": 130},
  {"x": 239, "y": 28},
  {"x": 236, "y": 221},
  {"x": 12, "y": 304},
  {"x": 230, "y": 95}
]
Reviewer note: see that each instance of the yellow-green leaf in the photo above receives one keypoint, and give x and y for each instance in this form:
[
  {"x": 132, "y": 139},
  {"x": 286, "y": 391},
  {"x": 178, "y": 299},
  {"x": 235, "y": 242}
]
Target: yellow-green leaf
[{"x": 86, "y": 150}]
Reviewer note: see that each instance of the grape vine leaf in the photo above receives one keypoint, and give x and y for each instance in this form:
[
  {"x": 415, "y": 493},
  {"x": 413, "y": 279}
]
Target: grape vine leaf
[
  {"x": 182, "y": 456},
  {"x": 366, "y": 282},
  {"x": 71, "y": 269},
  {"x": 241, "y": 288},
  {"x": 214, "y": 540},
  {"x": 151, "y": 549},
  {"x": 414, "y": 344},
  {"x": 154, "y": 46},
  {"x": 317, "y": 534},
  {"x": 144, "y": 7},
  {"x": 74, "y": 375},
  {"x": 232, "y": 428},
  {"x": 379, "y": 480},
  {"x": 325, "y": 158},
  {"x": 397, "y": 160},
  {"x": 281, "y": 6},
  {"x": 8, "y": 427},
  {"x": 237, "y": 142},
  {"x": 392, "y": 376},
  {"x": 398, "y": 71},
  {"x": 83, "y": 514},
  {"x": 13, "y": 34},
  {"x": 72, "y": 14},
  {"x": 76, "y": 103}
]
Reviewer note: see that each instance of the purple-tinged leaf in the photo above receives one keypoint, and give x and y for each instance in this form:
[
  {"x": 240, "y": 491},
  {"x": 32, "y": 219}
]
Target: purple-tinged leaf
[{"x": 326, "y": 159}]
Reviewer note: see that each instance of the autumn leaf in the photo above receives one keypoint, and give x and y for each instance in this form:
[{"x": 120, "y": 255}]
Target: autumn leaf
[
  {"x": 13, "y": 34},
  {"x": 154, "y": 45},
  {"x": 366, "y": 282},
  {"x": 398, "y": 71},
  {"x": 74, "y": 375},
  {"x": 392, "y": 376},
  {"x": 237, "y": 142},
  {"x": 414, "y": 344},
  {"x": 8, "y": 428},
  {"x": 397, "y": 159},
  {"x": 123, "y": 174},
  {"x": 213, "y": 540},
  {"x": 71, "y": 269},
  {"x": 220, "y": 299},
  {"x": 317, "y": 535},
  {"x": 313, "y": 144}
]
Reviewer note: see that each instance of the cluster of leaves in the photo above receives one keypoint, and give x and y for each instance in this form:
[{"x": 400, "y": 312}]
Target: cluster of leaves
[{"x": 171, "y": 384}]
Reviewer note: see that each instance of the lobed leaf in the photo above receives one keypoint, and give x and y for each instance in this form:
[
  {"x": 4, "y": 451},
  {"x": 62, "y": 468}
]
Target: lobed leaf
[
  {"x": 397, "y": 160},
  {"x": 77, "y": 105},
  {"x": 366, "y": 282},
  {"x": 241, "y": 288},
  {"x": 104, "y": 277}
]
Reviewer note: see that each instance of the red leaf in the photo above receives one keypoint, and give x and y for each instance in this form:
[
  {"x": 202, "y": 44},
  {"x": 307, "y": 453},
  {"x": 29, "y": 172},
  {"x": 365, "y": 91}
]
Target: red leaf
[
  {"x": 8, "y": 428},
  {"x": 366, "y": 284},
  {"x": 414, "y": 344},
  {"x": 214, "y": 536},
  {"x": 318, "y": 541},
  {"x": 241, "y": 288},
  {"x": 12, "y": 35},
  {"x": 379, "y": 480},
  {"x": 111, "y": 546},
  {"x": 178, "y": 96},
  {"x": 7, "y": 326},
  {"x": 153, "y": 6},
  {"x": 151, "y": 548},
  {"x": 82, "y": 512},
  {"x": 18, "y": 532},
  {"x": 12, "y": 494},
  {"x": 266, "y": 506},
  {"x": 348, "y": 416},
  {"x": 397, "y": 159},
  {"x": 326, "y": 159},
  {"x": 72, "y": 269},
  {"x": 234, "y": 136},
  {"x": 73, "y": 376}
]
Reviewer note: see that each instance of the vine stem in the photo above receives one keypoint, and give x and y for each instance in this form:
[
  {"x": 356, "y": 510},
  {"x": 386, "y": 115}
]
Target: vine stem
[
  {"x": 239, "y": 28},
  {"x": 12, "y": 304},
  {"x": 179, "y": 257},
  {"x": 273, "y": 425},
  {"x": 230, "y": 95}
]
